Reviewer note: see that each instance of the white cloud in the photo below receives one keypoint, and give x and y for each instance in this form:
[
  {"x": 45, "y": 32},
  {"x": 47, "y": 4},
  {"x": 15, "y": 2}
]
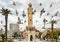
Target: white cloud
[{"x": 23, "y": 5}]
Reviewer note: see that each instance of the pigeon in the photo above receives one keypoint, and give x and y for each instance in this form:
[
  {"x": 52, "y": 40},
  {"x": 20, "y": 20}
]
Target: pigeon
[
  {"x": 16, "y": 12},
  {"x": 19, "y": 23},
  {"x": 23, "y": 14},
  {"x": 50, "y": 5},
  {"x": 43, "y": 27},
  {"x": 48, "y": 13},
  {"x": 14, "y": 3},
  {"x": 56, "y": 13},
  {"x": 44, "y": 20},
  {"x": 52, "y": 17},
  {"x": 24, "y": 21},
  {"x": 40, "y": 4},
  {"x": 1, "y": 22},
  {"x": 36, "y": 21},
  {"x": 19, "y": 20},
  {"x": 33, "y": 11},
  {"x": 42, "y": 11}
]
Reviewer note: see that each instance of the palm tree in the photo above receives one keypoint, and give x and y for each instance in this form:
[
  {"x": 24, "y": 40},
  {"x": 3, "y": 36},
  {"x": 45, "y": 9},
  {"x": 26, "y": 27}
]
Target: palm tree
[
  {"x": 52, "y": 27},
  {"x": 5, "y": 12}
]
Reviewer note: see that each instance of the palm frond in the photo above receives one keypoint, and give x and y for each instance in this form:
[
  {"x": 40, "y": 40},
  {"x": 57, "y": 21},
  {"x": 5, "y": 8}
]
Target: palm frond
[{"x": 53, "y": 21}]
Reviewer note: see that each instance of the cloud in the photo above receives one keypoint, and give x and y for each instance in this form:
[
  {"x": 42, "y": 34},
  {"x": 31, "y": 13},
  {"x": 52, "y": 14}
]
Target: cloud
[{"x": 23, "y": 5}]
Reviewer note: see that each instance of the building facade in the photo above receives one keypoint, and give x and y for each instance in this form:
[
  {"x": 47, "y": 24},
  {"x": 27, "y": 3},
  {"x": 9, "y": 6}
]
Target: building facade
[{"x": 14, "y": 27}]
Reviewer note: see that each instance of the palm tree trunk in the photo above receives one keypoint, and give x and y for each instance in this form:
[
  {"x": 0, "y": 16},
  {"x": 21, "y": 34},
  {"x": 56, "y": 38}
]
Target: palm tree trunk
[
  {"x": 52, "y": 31},
  {"x": 56, "y": 40},
  {"x": 6, "y": 18},
  {"x": 2, "y": 39}
]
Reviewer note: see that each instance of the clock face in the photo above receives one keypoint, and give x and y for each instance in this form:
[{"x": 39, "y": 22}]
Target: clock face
[{"x": 30, "y": 19}]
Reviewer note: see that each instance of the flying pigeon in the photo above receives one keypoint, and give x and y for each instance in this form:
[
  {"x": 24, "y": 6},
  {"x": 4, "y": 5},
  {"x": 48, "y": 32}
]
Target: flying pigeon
[
  {"x": 43, "y": 27},
  {"x": 1, "y": 22},
  {"x": 19, "y": 20},
  {"x": 36, "y": 21},
  {"x": 44, "y": 20},
  {"x": 56, "y": 13},
  {"x": 16, "y": 12},
  {"x": 24, "y": 21},
  {"x": 19, "y": 23},
  {"x": 23, "y": 14},
  {"x": 14, "y": 3},
  {"x": 42, "y": 11},
  {"x": 48, "y": 13},
  {"x": 50, "y": 5},
  {"x": 33, "y": 11},
  {"x": 40, "y": 4},
  {"x": 52, "y": 17}
]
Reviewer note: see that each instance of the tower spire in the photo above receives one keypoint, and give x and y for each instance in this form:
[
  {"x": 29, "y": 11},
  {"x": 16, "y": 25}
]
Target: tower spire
[{"x": 30, "y": 11}]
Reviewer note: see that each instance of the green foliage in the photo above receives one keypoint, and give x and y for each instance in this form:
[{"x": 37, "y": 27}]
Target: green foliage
[
  {"x": 53, "y": 21},
  {"x": 48, "y": 34},
  {"x": 55, "y": 35},
  {"x": 5, "y": 11},
  {"x": 15, "y": 35},
  {"x": 2, "y": 35},
  {"x": 40, "y": 33}
]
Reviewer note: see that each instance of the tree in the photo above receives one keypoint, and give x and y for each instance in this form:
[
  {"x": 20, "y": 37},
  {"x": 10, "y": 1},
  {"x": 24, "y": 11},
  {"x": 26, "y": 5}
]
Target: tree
[
  {"x": 3, "y": 36},
  {"x": 52, "y": 26},
  {"x": 15, "y": 34},
  {"x": 55, "y": 36},
  {"x": 48, "y": 35},
  {"x": 5, "y": 12},
  {"x": 40, "y": 33}
]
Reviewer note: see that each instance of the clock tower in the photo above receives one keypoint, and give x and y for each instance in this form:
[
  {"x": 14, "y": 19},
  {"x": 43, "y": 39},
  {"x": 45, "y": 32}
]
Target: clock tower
[{"x": 30, "y": 11}]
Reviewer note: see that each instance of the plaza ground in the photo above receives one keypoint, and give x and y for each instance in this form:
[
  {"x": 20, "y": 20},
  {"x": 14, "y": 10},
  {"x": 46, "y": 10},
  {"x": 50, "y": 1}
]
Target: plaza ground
[{"x": 36, "y": 40}]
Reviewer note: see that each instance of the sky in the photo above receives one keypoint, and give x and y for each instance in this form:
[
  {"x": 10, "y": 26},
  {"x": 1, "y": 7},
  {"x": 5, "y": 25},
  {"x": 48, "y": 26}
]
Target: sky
[{"x": 22, "y": 5}]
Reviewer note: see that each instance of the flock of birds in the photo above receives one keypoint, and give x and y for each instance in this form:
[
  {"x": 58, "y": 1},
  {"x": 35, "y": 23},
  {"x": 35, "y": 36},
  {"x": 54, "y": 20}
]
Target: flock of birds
[{"x": 41, "y": 13}]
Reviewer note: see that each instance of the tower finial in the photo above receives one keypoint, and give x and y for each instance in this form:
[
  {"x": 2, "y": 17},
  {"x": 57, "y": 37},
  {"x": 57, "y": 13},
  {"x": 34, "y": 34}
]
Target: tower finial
[{"x": 30, "y": 5}]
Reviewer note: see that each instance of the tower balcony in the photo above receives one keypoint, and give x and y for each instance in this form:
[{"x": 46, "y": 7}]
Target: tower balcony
[{"x": 32, "y": 28}]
